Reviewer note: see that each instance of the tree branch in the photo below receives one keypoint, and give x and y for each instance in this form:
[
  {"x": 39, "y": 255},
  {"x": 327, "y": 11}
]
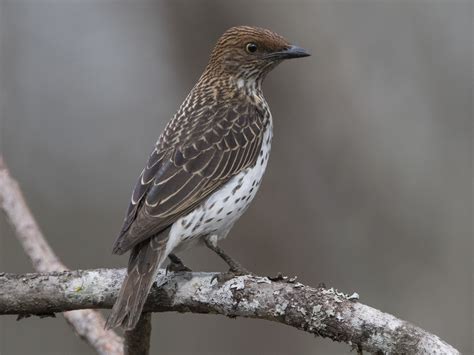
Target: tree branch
[
  {"x": 137, "y": 340},
  {"x": 88, "y": 324},
  {"x": 323, "y": 312},
  {"x": 320, "y": 311}
]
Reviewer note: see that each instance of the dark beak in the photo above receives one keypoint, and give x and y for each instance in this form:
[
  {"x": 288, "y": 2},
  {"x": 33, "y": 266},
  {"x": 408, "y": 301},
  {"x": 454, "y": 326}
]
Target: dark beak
[{"x": 291, "y": 52}]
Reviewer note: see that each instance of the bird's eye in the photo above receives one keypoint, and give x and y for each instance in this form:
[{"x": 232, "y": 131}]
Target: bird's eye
[{"x": 251, "y": 47}]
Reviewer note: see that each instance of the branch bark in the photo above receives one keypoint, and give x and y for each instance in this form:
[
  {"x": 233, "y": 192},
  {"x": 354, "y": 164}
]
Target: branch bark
[
  {"x": 137, "y": 340},
  {"x": 323, "y": 312},
  {"x": 320, "y": 311},
  {"x": 88, "y": 324}
]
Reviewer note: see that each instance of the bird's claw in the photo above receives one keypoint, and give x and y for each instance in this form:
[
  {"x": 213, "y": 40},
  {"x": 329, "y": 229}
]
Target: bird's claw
[
  {"x": 177, "y": 267},
  {"x": 281, "y": 277},
  {"x": 221, "y": 277},
  {"x": 230, "y": 274},
  {"x": 238, "y": 270}
]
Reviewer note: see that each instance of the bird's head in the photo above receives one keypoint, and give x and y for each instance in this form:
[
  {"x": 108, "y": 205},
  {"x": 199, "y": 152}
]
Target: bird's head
[{"x": 248, "y": 53}]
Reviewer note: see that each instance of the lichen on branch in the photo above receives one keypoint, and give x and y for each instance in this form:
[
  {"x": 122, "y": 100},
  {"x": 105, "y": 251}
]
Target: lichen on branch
[{"x": 321, "y": 311}]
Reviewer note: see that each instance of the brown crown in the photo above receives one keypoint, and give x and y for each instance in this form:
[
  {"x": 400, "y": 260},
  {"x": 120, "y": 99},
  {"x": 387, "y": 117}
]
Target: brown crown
[{"x": 231, "y": 53}]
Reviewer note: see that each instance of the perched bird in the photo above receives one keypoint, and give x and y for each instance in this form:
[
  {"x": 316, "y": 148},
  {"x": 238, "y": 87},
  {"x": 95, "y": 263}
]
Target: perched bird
[{"x": 206, "y": 166}]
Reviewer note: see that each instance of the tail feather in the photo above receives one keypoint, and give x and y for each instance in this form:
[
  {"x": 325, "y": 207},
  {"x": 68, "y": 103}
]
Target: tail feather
[{"x": 145, "y": 259}]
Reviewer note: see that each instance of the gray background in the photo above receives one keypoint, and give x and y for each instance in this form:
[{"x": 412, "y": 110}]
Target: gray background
[{"x": 369, "y": 184}]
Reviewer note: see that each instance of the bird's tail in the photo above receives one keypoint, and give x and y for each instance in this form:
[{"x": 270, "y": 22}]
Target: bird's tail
[{"x": 145, "y": 259}]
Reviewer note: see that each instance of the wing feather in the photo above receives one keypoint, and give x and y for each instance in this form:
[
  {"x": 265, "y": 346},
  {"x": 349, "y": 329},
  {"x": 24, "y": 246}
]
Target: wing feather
[{"x": 195, "y": 156}]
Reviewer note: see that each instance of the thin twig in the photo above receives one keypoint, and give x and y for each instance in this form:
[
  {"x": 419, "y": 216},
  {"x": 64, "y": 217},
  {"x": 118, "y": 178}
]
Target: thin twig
[
  {"x": 319, "y": 311},
  {"x": 88, "y": 324}
]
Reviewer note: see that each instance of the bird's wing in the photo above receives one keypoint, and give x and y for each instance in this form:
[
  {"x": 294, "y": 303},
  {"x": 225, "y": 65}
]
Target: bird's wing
[{"x": 195, "y": 156}]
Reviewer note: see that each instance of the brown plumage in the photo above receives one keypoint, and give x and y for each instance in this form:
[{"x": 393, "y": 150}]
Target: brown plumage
[{"x": 216, "y": 136}]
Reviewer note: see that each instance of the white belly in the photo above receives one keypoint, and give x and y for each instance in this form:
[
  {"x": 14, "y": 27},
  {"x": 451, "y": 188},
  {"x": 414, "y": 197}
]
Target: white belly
[{"x": 216, "y": 216}]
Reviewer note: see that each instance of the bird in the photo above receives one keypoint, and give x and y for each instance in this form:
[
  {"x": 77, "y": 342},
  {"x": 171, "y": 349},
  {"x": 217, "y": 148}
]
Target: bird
[{"x": 205, "y": 168}]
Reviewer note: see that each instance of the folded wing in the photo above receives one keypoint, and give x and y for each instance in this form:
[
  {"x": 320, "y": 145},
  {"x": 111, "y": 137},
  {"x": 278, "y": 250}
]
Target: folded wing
[{"x": 195, "y": 156}]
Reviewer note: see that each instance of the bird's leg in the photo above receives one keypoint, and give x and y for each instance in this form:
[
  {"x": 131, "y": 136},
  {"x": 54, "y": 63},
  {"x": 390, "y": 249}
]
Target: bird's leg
[
  {"x": 235, "y": 267},
  {"x": 176, "y": 264}
]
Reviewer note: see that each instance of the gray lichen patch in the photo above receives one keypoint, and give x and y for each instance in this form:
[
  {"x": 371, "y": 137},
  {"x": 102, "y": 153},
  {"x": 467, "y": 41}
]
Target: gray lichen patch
[
  {"x": 330, "y": 312},
  {"x": 354, "y": 297},
  {"x": 280, "y": 308},
  {"x": 338, "y": 295},
  {"x": 85, "y": 287},
  {"x": 261, "y": 280},
  {"x": 316, "y": 319},
  {"x": 237, "y": 284},
  {"x": 324, "y": 312}
]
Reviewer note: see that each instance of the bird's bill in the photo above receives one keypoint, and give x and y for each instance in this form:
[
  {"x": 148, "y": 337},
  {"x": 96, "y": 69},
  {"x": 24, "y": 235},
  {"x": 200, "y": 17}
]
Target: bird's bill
[{"x": 291, "y": 52}]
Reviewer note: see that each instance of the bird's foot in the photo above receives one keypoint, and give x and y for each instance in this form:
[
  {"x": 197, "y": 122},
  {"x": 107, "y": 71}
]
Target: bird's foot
[
  {"x": 281, "y": 277},
  {"x": 235, "y": 267},
  {"x": 176, "y": 265},
  {"x": 238, "y": 270},
  {"x": 222, "y": 277},
  {"x": 234, "y": 271},
  {"x": 177, "y": 268}
]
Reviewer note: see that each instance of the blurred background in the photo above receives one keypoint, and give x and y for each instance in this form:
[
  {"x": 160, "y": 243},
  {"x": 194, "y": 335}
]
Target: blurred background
[{"x": 369, "y": 186}]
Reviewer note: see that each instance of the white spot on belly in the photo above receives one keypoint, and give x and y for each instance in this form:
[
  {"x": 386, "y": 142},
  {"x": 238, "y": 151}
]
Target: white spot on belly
[{"x": 224, "y": 207}]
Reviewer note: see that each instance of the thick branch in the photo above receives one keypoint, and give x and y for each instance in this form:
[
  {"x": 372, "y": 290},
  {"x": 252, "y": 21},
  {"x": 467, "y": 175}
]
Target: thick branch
[
  {"x": 323, "y": 312},
  {"x": 88, "y": 324}
]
